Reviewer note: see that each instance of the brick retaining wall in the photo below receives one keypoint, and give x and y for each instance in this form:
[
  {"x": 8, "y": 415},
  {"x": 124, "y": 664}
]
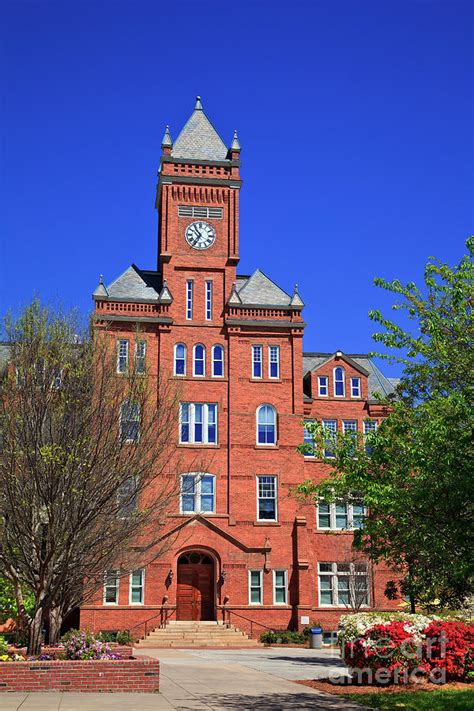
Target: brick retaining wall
[{"x": 134, "y": 675}]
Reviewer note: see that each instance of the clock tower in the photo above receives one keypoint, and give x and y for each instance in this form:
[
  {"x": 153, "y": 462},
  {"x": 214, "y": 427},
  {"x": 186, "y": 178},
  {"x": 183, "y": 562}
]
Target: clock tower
[{"x": 197, "y": 199}]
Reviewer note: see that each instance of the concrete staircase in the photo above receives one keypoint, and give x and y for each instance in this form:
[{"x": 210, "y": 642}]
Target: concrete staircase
[{"x": 188, "y": 634}]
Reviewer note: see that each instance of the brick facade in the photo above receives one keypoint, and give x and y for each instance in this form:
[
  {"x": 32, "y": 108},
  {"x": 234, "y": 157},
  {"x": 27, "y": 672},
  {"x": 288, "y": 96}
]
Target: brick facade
[{"x": 232, "y": 536}]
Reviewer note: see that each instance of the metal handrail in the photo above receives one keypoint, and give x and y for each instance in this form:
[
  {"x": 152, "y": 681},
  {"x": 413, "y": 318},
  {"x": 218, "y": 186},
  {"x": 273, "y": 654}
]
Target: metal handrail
[
  {"x": 242, "y": 617},
  {"x": 162, "y": 614}
]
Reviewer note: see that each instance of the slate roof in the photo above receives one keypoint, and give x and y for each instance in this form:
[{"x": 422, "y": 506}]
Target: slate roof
[
  {"x": 377, "y": 381},
  {"x": 135, "y": 283},
  {"x": 199, "y": 139},
  {"x": 259, "y": 290}
]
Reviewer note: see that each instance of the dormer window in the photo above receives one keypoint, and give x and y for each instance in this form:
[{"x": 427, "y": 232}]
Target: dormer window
[
  {"x": 339, "y": 382},
  {"x": 323, "y": 386}
]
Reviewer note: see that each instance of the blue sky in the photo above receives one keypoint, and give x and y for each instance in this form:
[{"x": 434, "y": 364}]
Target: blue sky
[{"x": 355, "y": 119}]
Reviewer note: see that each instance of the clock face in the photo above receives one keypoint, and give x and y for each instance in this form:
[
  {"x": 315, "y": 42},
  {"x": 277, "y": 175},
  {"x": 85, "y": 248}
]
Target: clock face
[{"x": 200, "y": 235}]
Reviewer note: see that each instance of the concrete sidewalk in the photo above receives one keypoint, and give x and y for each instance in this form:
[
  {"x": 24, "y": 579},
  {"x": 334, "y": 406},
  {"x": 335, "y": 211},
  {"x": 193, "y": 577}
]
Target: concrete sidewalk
[{"x": 242, "y": 680}]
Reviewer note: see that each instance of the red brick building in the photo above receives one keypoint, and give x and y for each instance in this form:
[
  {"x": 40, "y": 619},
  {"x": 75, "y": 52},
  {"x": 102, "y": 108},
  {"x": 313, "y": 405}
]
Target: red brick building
[{"x": 243, "y": 546}]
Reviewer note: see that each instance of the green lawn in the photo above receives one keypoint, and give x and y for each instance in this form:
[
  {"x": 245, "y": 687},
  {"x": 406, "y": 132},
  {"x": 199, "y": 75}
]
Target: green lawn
[{"x": 449, "y": 700}]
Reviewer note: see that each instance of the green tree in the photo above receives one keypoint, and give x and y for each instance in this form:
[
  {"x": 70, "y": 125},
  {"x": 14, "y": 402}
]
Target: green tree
[{"x": 415, "y": 471}]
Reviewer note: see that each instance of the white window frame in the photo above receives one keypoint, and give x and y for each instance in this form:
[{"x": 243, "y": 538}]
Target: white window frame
[
  {"x": 373, "y": 428},
  {"x": 275, "y": 425},
  {"x": 189, "y": 299},
  {"x": 270, "y": 362},
  {"x": 349, "y": 503},
  {"x": 273, "y": 498},
  {"x": 180, "y": 375},
  {"x": 109, "y": 574},
  {"x": 260, "y": 586},
  {"x": 126, "y": 342},
  {"x": 218, "y": 345},
  {"x": 140, "y": 357},
  {"x": 141, "y": 586},
  {"x": 203, "y": 374},
  {"x": 209, "y": 295},
  {"x": 337, "y": 367},
  {"x": 205, "y": 423},
  {"x": 285, "y": 586},
  {"x": 332, "y": 431},
  {"x": 357, "y": 383},
  {"x": 334, "y": 574},
  {"x": 320, "y": 378},
  {"x": 198, "y": 477},
  {"x": 138, "y": 419},
  {"x": 256, "y": 348},
  {"x": 306, "y": 441}
]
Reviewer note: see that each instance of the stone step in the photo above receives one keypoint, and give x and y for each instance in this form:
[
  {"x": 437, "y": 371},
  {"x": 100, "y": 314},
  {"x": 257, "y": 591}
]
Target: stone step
[{"x": 189, "y": 644}]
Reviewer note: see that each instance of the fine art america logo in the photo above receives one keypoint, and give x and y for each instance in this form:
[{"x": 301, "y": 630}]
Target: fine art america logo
[{"x": 408, "y": 662}]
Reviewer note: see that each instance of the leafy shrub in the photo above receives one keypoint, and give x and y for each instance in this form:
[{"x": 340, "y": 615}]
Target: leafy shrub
[
  {"x": 120, "y": 636},
  {"x": 449, "y": 645},
  {"x": 124, "y": 637},
  {"x": 3, "y": 645},
  {"x": 282, "y": 637},
  {"x": 83, "y": 645}
]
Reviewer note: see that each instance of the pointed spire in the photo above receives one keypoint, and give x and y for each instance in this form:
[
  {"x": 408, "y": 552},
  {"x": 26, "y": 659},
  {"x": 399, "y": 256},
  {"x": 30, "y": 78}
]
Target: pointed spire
[
  {"x": 167, "y": 140},
  {"x": 100, "y": 289},
  {"x": 165, "y": 294},
  {"x": 234, "y": 298},
  {"x": 198, "y": 106},
  {"x": 296, "y": 299},
  {"x": 235, "y": 145}
]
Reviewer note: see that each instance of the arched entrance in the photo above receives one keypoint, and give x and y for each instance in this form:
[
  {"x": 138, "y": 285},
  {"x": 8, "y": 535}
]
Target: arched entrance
[{"x": 196, "y": 587}]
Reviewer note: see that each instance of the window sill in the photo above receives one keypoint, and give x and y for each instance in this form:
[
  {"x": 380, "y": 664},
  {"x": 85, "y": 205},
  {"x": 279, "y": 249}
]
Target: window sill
[
  {"x": 198, "y": 446},
  {"x": 265, "y": 380},
  {"x": 267, "y": 446},
  {"x": 267, "y": 523},
  {"x": 201, "y": 378}
]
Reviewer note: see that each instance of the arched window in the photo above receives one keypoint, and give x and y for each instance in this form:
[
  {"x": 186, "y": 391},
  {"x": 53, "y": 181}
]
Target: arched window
[
  {"x": 199, "y": 360},
  {"x": 266, "y": 424},
  {"x": 339, "y": 382},
  {"x": 180, "y": 359},
  {"x": 129, "y": 421},
  {"x": 218, "y": 361}
]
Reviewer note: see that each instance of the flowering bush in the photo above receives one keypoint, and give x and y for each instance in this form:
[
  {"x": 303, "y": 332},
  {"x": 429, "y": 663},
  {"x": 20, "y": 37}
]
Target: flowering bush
[
  {"x": 351, "y": 627},
  {"x": 390, "y": 647},
  {"x": 83, "y": 645},
  {"x": 390, "y": 651},
  {"x": 449, "y": 645}
]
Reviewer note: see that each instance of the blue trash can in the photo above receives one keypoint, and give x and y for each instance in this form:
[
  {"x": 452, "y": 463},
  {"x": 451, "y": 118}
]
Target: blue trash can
[{"x": 316, "y": 638}]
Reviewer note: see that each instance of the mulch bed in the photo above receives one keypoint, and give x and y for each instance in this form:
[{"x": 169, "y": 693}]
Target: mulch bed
[{"x": 340, "y": 689}]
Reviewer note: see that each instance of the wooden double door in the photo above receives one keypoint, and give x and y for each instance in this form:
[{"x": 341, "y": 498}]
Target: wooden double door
[{"x": 196, "y": 587}]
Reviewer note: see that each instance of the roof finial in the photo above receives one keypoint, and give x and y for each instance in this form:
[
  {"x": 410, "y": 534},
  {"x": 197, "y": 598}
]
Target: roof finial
[
  {"x": 167, "y": 140},
  {"x": 198, "y": 106},
  {"x": 101, "y": 278},
  {"x": 235, "y": 145},
  {"x": 296, "y": 288}
]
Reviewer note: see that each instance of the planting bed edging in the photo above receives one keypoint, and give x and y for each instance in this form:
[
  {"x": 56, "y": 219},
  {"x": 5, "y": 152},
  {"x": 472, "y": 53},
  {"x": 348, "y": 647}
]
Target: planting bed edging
[{"x": 91, "y": 675}]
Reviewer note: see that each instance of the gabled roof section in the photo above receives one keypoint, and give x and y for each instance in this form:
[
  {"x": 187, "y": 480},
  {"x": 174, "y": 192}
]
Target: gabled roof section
[
  {"x": 134, "y": 283},
  {"x": 213, "y": 526},
  {"x": 259, "y": 290},
  {"x": 377, "y": 382},
  {"x": 199, "y": 139}
]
